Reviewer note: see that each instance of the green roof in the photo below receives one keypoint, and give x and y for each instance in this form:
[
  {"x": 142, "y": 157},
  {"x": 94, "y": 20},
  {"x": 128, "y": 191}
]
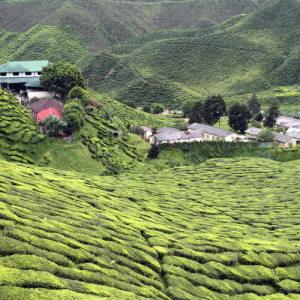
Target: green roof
[{"x": 23, "y": 66}]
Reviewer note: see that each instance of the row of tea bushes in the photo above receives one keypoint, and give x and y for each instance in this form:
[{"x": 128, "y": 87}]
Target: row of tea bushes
[
  {"x": 227, "y": 229},
  {"x": 18, "y": 133}
]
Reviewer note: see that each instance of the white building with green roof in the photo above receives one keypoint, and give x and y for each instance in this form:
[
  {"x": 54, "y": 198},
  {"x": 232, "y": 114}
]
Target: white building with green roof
[{"x": 21, "y": 74}]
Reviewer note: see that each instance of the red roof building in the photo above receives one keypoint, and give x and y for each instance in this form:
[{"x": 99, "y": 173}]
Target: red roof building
[{"x": 45, "y": 113}]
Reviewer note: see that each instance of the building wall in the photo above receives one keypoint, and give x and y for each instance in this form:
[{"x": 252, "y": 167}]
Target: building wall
[
  {"x": 147, "y": 134},
  {"x": 21, "y": 74}
]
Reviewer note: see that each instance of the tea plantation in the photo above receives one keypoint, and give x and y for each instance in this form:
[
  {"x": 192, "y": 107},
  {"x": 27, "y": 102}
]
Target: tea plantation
[
  {"x": 105, "y": 23},
  {"x": 226, "y": 230},
  {"x": 245, "y": 54}
]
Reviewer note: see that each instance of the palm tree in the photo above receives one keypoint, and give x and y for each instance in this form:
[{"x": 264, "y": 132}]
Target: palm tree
[{"x": 53, "y": 124}]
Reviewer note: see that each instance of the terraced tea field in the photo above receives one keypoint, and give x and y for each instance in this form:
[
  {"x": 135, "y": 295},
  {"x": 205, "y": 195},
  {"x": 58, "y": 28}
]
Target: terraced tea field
[
  {"x": 226, "y": 230},
  {"x": 104, "y": 23},
  {"x": 245, "y": 54}
]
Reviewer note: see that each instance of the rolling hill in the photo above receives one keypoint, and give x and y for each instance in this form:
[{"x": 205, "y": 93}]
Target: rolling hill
[
  {"x": 242, "y": 55},
  {"x": 105, "y": 23},
  {"x": 226, "y": 230}
]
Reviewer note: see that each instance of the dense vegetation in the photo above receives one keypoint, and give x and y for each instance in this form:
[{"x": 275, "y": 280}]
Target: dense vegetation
[
  {"x": 50, "y": 43},
  {"x": 242, "y": 55},
  {"x": 225, "y": 230},
  {"x": 106, "y": 23}
]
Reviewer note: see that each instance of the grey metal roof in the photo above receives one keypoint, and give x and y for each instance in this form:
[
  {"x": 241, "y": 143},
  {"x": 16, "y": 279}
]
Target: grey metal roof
[
  {"x": 282, "y": 138},
  {"x": 166, "y": 130},
  {"x": 293, "y": 132},
  {"x": 287, "y": 121},
  {"x": 180, "y": 135},
  {"x": 23, "y": 66},
  {"x": 253, "y": 130},
  {"x": 210, "y": 129}
]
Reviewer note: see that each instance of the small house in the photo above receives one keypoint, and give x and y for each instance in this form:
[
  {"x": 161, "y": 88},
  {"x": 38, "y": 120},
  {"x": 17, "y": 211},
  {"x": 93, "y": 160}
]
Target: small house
[
  {"x": 213, "y": 133},
  {"x": 147, "y": 132},
  {"x": 284, "y": 140},
  {"x": 44, "y": 105}
]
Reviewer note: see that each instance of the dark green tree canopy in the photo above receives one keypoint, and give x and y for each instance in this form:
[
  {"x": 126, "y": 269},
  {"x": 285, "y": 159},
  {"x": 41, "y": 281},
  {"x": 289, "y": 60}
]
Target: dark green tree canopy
[
  {"x": 147, "y": 109},
  {"x": 254, "y": 106},
  {"x": 196, "y": 114},
  {"x": 259, "y": 117},
  {"x": 214, "y": 108},
  {"x": 75, "y": 121},
  {"x": 237, "y": 117},
  {"x": 131, "y": 104},
  {"x": 272, "y": 115},
  {"x": 79, "y": 93},
  {"x": 158, "y": 108},
  {"x": 187, "y": 107},
  {"x": 266, "y": 136},
  {"x": 61, "y": 77}
]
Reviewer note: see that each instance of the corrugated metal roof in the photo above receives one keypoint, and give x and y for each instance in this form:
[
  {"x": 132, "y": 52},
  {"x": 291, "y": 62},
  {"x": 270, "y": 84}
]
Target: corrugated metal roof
[
  {"x": 45, "y": 104},
  {"x": 282, "y": 138},
  {"x": 253, "y": 130},
  {"x": 180, "y": 135},
  {"x": 166, "y": 130},
  {"x": 23, "y": 66},
  {"x": 210, "y": 129}
]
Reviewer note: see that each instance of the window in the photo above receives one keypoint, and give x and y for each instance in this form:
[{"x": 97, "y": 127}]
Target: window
[
  {"x": 2, "y": 74},
  {"x": 207, "y": 136},
  {"x": 15, "y": 73},
  {"x": 39, "y": 73},
  {"x": 28, "y": 73}
]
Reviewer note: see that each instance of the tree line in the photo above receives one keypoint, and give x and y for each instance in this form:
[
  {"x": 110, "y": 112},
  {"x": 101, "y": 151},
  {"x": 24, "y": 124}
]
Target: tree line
[{"x": 239, "y": 114}]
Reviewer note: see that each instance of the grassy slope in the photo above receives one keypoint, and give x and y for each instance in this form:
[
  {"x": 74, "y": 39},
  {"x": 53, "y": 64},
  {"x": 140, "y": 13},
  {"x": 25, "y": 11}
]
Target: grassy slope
[
  {"x": 243, "y": 55},
  {"x": 106, "y": 23},
  {"x": 43, "y": 43},
  {"x": 225, "y": 230}
]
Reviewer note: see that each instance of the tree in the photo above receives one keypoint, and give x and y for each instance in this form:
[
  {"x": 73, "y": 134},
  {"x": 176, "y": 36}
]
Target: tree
[
  {"x": 214, "y": 107},
  {"x": 254, "y": 106},
  {"x": 74, "y": 114},
  {"x": 61, "y": 77},
  {"x": 53, "y": 124},
  {"x": 196, "y": 115},
  {"x": 158, "y": 108},
  {"x": 266, "y": 136},
  {"x": 131, "y": 104},
  {"x": 187, "y": 107},
  {"x": 79, "y": 93},
  {"x": 153, "y": 152},
  {"x": 272, "y": 115},
  {"x": 147, "y": 109},
  {"x": 259, "y": 117},
  {"x": 256, "y": 124},
  {"x": 75, "y": 121},
  {"x": 237, "y": 117}
]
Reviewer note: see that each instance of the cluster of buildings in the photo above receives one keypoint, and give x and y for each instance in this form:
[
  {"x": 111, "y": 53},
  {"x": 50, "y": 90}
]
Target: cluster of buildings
[
  {"x": 196, "y": 132},
  {"x": 201, "y": 132},
  {"x": 20, "y": 76}
]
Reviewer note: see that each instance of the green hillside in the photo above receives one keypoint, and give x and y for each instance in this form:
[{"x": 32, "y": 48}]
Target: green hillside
[
  {"x": 51, "y": 43},
  {"x": 243, "y": 55},
  {"x": 226, "y": 230},
  {"x": 106, "y": 23}
]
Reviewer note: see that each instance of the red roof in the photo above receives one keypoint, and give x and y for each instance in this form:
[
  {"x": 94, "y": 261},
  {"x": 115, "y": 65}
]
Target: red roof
[
  {"x": 187, "y": 132},
  {"x": 45, "y": 113},
  {"x": 43, "y": 104}
]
